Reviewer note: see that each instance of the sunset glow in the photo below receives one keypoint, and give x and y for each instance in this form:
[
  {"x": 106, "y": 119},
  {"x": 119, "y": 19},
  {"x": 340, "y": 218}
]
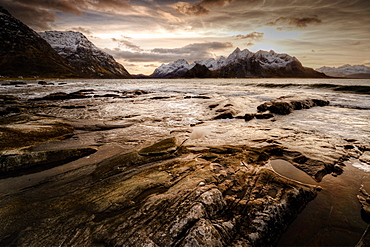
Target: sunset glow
[{"x": 142, "y": 34}]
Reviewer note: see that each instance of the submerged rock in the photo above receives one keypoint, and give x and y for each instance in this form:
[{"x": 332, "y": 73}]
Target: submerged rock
[{"x": 287, "y": 104}]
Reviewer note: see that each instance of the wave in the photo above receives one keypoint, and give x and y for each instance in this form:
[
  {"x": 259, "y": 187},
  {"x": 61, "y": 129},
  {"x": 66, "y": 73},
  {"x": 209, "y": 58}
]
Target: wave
[
  {"x": 357, "y": 107},
  {"x": 334, "y": 87}
]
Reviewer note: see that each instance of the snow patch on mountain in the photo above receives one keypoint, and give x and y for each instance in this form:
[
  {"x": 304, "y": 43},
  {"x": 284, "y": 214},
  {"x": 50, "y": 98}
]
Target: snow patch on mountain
[
  {"x": 344, "y": 70},
  {"x": 68, "y": 40},
  {"x": 84, "y": 55},
  {"x": 268, "y": 60},
  {"x": 177, "y": 68},
  {"x": 273, "y": 60}
]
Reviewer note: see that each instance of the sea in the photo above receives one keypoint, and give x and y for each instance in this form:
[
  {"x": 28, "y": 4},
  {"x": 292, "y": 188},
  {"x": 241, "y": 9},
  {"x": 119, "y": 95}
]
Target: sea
[{"x": 186, "y": 108}]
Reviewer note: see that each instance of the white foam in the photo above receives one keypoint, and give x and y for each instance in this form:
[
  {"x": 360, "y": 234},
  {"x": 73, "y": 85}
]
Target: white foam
[{"x": 361, "y": 165}]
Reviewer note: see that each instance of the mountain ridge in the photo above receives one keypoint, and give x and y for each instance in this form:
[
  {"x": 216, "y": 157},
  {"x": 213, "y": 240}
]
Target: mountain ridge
[
  {"x": 347, "y": 70},
  {"x": 23, "y": 53},
  {"x": 239, "y": 64},
  {"x": 84, "y": 55}
]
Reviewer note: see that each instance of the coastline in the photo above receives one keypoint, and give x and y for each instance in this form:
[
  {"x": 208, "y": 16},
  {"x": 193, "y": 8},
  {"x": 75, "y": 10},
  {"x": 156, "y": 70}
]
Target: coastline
[{"x": 206, "y": 185}]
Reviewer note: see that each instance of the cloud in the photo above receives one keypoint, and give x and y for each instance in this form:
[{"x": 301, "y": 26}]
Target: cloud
[
  {"x": 188, "y": 9},
  {"x": 295, "y": 21},
  {"x": 124, "y": 42},
  {"x": 200, "y": 7},
  {"x": 196, "y": 48},
  {"x": 85, "y": 31},
  {"x": 250, "y": 36},
  {"x": 191, "y": 52},
  {"x": 40, "y": 13}
]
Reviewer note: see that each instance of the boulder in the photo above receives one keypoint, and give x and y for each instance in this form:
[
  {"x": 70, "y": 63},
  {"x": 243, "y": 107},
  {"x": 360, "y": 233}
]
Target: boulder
[{"x": 287, "y": 104}]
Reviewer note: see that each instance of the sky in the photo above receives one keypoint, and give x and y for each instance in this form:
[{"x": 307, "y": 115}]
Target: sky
[{"x": 143, "y": 34}]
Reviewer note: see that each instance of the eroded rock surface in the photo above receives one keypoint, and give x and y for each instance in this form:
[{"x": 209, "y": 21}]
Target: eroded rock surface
[
  {"x": 20, "y": 133},
  {"x": 162, "y": 195}
]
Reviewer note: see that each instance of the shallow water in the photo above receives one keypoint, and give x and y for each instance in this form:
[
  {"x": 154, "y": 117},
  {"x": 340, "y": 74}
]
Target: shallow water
[
  {"x": 287, "y": 170},
  {"x": 334, "y": 217}
]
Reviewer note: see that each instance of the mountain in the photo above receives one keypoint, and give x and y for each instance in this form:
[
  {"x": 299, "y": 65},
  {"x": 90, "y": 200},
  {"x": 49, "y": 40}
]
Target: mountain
[
  {"x": 351, "y": 71},
  {"x": 172, "y": 70},
  {"x": 240, "y": 64},
  {"x": 24, "y": 53},
  {"x": 84, "y": 55},
  {"x": 199, "y": 71}
]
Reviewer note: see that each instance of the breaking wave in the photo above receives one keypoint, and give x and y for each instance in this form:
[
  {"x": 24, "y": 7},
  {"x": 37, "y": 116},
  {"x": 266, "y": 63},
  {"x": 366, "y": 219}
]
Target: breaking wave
[{"x": 334, "y": 87}]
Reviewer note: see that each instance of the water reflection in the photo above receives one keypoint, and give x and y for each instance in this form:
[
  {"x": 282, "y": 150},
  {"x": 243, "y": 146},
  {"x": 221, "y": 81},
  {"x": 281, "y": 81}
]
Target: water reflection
[
  {"x": 287, "y": 170},
  {"x": 334, "y": 217}
]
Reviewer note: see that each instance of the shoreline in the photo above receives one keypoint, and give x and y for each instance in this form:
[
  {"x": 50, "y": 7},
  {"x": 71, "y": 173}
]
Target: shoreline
[{"x": 208, "y": 184}]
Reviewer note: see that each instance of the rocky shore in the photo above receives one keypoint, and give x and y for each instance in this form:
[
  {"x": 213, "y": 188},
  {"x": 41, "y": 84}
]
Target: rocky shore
[{"x": 169, "y": 190}]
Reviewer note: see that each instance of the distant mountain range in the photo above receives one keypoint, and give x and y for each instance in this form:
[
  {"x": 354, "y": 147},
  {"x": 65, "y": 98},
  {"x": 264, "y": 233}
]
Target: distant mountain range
[
  {"x": 239, "y": 64},
  {"x": 348, "y": 71},
  {"x": 25, "y": 53}
]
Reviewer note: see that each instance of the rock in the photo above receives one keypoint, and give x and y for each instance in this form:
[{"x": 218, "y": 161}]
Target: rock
[
  {"x": 19, "y": 164},
  {"x": 226, "y": 115},
  {"x": 8, "y": 98},
  {"x": 73, "y": 106},
  {"x": 197, "y": 97},
  {"x": 364, "y": 201},
  {"x": 287, "y": 104},
  {"x": 349, "y": 146},
  {"x": 365, "y": 157},
  {"x": 65, "y": 96},
  {"x": 161, "y": 97},
  {"x": 248, "y": 116},
  {"x": 165, "y": 146},
  {"x": 263, "y": 116},
  {"x": 20, "y": 131},
  {"x": 143, "y": 200},
  {"x": 14, "y": 83},
  {"x": 42, "y": 83}
]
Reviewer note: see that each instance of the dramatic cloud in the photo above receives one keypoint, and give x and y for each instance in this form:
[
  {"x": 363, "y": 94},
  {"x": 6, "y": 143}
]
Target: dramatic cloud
[
  {"x": 251, "y": 36},
  {"x": 295, "y": 21},
  {"x": 199, "y": 8},
  {"x": 189, "y": 9},
  {"x": 125, "y": 43},
  {"x": 40, "y": 13},
  {"x": 296, "y": 28},
  {"x": 191, "y": 52},
  {"x": 85, "y": 31}
]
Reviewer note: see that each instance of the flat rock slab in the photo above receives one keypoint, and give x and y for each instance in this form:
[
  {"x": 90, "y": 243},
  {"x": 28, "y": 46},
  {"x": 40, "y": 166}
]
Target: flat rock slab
[
  {"x": 23, "y": 130},
  {"x": 218, "y": 196}
]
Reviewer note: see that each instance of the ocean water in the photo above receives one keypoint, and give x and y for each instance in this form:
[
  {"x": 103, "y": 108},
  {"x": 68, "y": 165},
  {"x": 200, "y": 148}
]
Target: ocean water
[
  {"x": 182, "y": 108},
  {"x": 347, "y": 116}
]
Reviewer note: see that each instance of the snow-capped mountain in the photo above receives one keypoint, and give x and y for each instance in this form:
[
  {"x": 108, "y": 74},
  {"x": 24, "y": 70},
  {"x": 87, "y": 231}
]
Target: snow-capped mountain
[
  {"x": 84, "y": 55},
  {"x": 171, "y": 70},
  {"x": 360, "y": 71},
  {"x": 24, "y": 53},
  {"x": 240, "y": 63}
]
